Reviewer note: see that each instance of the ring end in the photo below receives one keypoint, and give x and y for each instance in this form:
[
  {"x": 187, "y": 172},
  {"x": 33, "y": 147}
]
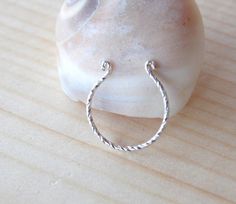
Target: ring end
[
  {"x": 151, "y": 64},
  {"x": 106, "y": 66}
]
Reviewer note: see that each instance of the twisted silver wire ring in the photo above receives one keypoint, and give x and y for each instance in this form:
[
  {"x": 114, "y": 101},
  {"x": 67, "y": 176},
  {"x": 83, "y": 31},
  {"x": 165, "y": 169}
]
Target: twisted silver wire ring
[{"x": 150, "y": 66}]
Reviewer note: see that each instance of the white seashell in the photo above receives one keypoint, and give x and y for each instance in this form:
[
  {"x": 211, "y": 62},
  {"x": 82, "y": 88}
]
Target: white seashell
[{"x": 128, "y": 33}]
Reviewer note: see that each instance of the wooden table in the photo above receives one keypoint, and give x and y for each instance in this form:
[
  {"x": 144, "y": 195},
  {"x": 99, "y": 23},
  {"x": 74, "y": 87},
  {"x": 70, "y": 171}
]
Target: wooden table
[{"x": 49, "y": 155}]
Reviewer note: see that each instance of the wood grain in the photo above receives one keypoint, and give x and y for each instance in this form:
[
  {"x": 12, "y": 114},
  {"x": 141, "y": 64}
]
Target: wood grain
[{"x": 49, "y": 155}]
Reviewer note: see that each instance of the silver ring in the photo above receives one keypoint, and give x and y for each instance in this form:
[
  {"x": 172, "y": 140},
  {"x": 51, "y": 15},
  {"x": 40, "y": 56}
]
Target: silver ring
[{"x": 150, "y": 66}]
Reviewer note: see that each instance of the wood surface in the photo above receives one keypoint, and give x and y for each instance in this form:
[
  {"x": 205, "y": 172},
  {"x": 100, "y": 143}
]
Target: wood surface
[{"x": 49, "y": 155}]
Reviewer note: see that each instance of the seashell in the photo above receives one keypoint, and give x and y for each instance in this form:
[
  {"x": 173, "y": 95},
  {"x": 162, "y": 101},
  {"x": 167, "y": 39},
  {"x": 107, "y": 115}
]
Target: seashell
[{"x": 128, "y": 33}]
